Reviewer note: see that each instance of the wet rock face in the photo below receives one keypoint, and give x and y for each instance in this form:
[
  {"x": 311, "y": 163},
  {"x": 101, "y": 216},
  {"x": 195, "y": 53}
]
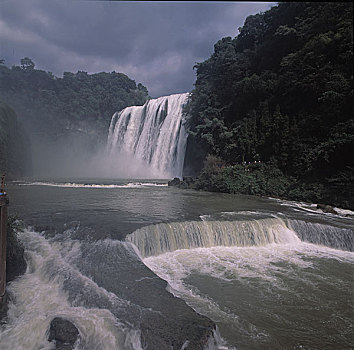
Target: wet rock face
[
  {"x": 64, "y": 333},
  {"x": 15, "y": 260},
  {"x": 3, "y": 308},
  {"x": 175, "y": 182}
]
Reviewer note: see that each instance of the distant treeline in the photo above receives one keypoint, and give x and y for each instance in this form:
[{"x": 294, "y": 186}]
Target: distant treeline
[
  {"x": 48, "y": 103},
  {"x": 281, "y": 93},
  {"x": 66, "y": 118}
]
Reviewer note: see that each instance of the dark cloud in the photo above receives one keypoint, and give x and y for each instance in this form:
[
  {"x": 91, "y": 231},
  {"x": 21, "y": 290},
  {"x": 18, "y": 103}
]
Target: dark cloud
[{"x": 156, "y": 43}]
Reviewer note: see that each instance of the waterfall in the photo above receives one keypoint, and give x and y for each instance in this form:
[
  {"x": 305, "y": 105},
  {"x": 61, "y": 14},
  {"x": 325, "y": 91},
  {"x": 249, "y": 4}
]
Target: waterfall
[
  {"x": 152, "y": 135},
  {"x": 330, "y": 236},
  {"x": 166, "y": 237},
  {"x": 157, "y": 239}
]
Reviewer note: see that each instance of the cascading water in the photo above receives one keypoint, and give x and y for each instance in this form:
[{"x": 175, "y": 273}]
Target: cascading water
[
  {"x": 265, "y": 275},
  {"x": 231, "y": 270},
  {"x": 161, "y": 238},
  {"x": 330, "y": 236},
  {"x": 152, "y": 135}
]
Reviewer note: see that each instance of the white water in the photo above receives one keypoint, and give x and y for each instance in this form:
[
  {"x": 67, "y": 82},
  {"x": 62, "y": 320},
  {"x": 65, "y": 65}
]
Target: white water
[
  {"x": 161, "y": 238},
  {"x": 273, "y": 286},
  {"x": 263, "y": 270},
  {"x": 311, "y": 208},
  {"x": 40, "y": 296},
  {"x": 152, "y": 136},
  {"x": 229, "y": 270},
  {"x": 79, "y": 185}
]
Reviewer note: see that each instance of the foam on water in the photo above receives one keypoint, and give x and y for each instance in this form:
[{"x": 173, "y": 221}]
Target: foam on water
[
  {"x": 243, "y": 265},
  {"x": 110, "y": 186},
  {"x": 257, "y": 252},
  {"x": 39, "y": 296},
  {"x": 311, "y": 208}
]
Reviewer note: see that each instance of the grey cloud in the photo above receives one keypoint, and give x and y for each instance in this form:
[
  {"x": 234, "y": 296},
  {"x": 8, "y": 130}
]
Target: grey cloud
[{"x": 156, "y": 43}]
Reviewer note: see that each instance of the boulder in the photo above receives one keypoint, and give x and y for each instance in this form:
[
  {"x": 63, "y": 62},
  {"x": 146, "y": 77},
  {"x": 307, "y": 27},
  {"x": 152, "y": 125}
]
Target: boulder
[
  {"x": 64, "y": 333},
  {"x": 175, "y": 182},
  {"x": 326, "y": 208}
]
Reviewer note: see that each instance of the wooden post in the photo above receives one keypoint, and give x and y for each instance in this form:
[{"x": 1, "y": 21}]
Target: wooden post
[{"x": 3, "y": 227}]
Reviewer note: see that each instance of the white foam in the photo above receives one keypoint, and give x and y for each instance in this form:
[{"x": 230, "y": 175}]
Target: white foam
[
  {"x": 344, "y": 212},
  {"x": 238, "y": 264},
  {"x": 109, "y": 186},
  {"x": 312, "y": 208},
  {"x": 39, "y": 297},
  {"x": 228, "y": 263}
]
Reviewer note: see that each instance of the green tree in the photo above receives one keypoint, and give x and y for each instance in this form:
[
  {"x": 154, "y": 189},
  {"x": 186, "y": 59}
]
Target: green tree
[
  {"x": 281, "y": 92},
  {"x": 27, "y": 64}
]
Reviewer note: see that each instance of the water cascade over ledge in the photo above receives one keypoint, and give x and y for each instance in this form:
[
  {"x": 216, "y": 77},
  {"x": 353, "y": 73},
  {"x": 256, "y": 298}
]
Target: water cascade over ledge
[
  {"x": 152, "y": 135},
  {"x": 157, "y": 239}
]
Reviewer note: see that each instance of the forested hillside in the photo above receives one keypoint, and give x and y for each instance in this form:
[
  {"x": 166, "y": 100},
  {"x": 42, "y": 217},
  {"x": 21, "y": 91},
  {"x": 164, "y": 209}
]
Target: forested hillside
[
  {"x": 67, "y": 117},
  {"x": 279, "y": 96},
  {"x": 42, "y": 99},
  {"x": 15, "y": 150}
]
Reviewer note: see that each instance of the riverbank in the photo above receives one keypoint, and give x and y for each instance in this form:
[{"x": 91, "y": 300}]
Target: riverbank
[{"x": 266, "y": 180}]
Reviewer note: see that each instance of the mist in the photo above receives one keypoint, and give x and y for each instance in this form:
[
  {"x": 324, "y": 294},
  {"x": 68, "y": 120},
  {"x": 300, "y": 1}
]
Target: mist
[{"x": 78, "y": 156}]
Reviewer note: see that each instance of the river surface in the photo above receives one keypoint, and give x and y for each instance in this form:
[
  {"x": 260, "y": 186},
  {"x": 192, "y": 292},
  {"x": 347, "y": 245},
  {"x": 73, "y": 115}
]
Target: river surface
[{"x": 270, "y": 274}]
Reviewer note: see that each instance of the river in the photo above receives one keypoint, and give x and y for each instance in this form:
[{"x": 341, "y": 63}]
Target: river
[{"x": 270, "y": 274}]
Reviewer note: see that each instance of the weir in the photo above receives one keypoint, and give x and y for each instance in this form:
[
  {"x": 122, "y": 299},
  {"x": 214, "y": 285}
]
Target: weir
[
  {"x": 167, "y": 237},
  {"x": 161, "y": 238},
  {"x": 153, "y": 135},
  {"x": 329, "y": 236}
]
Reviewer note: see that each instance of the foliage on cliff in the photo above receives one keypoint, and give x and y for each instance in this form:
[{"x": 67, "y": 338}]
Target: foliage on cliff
[
  {"x": 47, "y": 103},
  {"x": 15, "y": 157},
  {"x": 281, "y": 92}
]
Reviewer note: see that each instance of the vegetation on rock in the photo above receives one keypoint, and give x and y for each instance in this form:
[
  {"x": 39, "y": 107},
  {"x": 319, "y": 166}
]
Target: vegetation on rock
[{"x": 281, "y": 93}]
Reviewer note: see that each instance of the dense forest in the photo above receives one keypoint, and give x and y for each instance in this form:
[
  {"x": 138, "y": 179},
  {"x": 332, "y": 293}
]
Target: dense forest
[
  {"x": 67, "y": 118},
  {"x": 42, "y": 99},
  {"x": 15, "y": 157},
  {"x": 273, "y": 107},
  {"x": 271, "y": 112}
]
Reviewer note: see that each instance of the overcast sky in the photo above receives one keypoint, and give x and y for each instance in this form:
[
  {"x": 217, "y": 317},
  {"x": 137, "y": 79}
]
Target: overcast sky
[{"x": 155, "y": 43}]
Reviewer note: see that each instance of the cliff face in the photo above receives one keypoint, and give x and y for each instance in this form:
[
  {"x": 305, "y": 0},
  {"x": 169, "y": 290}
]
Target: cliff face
[
  {"x": 15, "y": 149},
  {"x": 194, "y": 157}
]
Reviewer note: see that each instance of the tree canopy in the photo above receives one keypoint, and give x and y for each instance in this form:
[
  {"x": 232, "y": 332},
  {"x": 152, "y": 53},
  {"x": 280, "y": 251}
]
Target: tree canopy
[
  {"x": 281, "y": 92},
  {"x": 46, "y": 102}
]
